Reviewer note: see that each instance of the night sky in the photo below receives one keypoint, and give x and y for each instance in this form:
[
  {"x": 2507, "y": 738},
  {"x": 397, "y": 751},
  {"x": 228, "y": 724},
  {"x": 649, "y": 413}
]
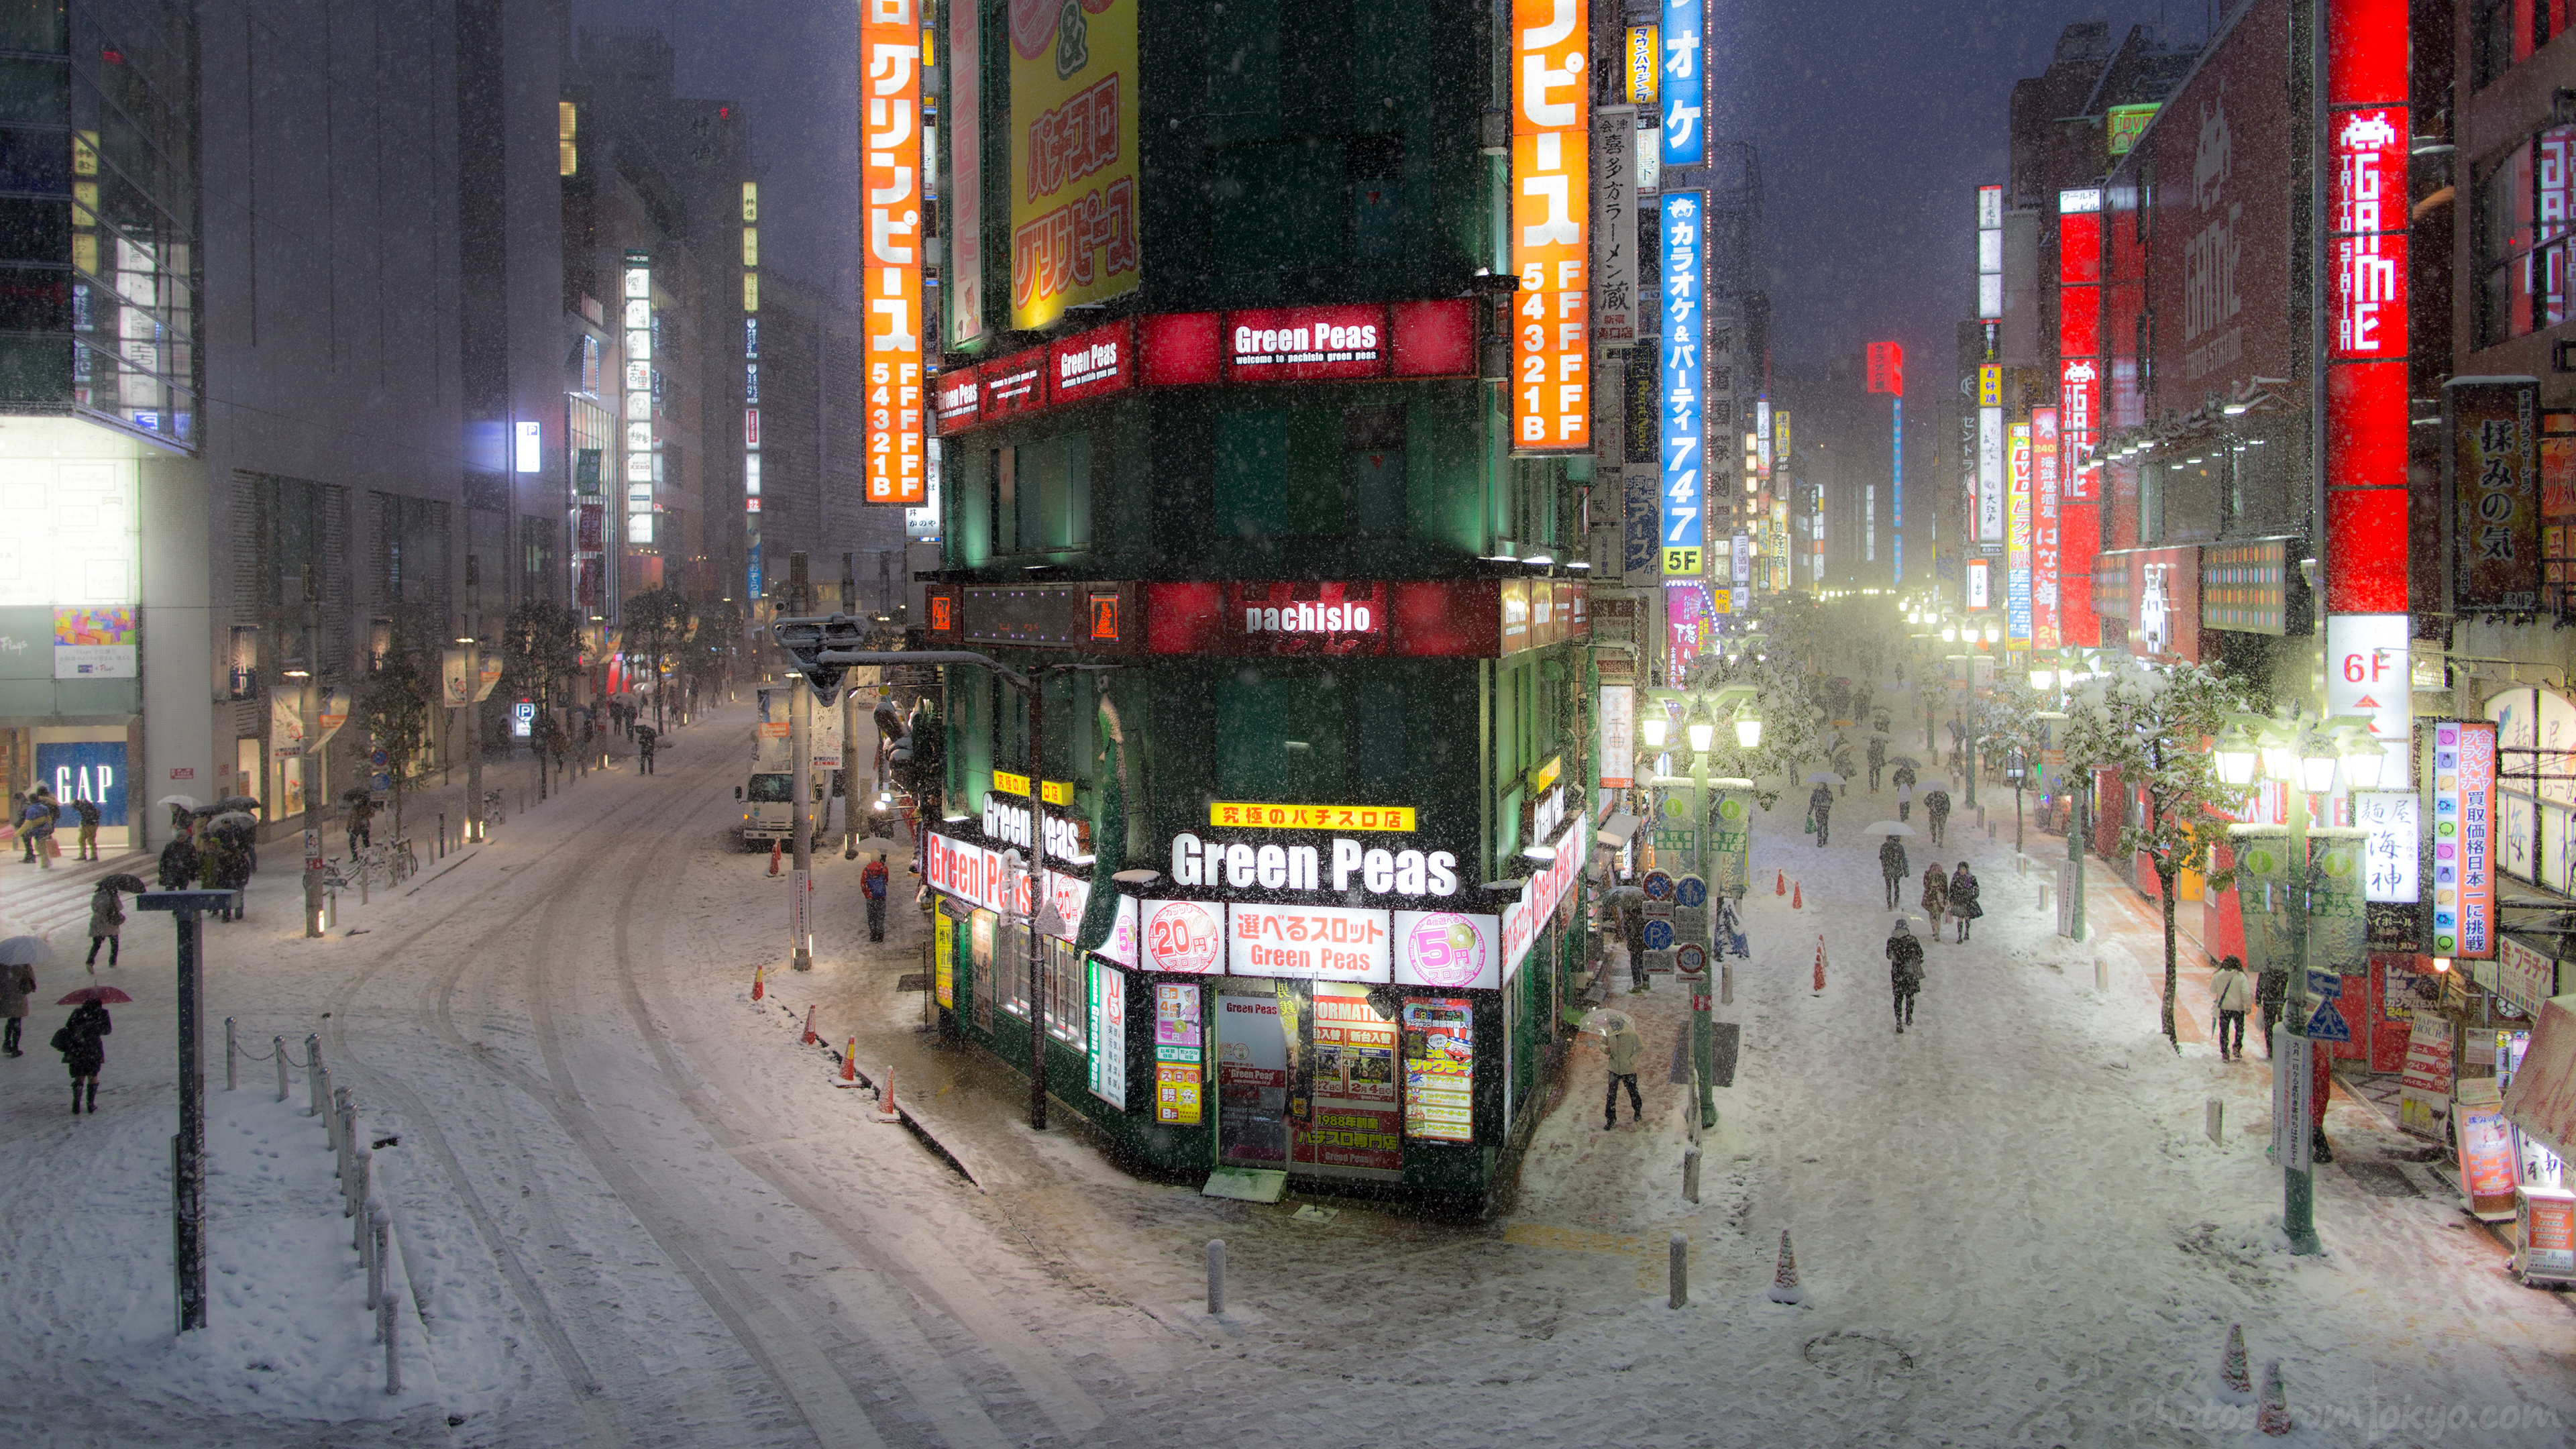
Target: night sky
[{"x": 1876, "y": 121}]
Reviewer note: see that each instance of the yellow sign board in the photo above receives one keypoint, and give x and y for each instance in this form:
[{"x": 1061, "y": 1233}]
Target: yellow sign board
[
  {"x": 1074, "y": 104},
  {"x": 1680, "y": 561},
  {"x": 943, "y": 958},
  {"x": 1990, "y": 385},
  {"x": 1240, "y": 815},
  {"x": 1721, "y": 601},
  {"x": 1058, "y": 792},
  {"x": 1545, "y": 776}
]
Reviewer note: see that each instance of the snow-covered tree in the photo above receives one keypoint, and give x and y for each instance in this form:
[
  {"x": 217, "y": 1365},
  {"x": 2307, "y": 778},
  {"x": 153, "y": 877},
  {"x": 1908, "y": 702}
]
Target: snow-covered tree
[{"x": 2153, "y": 725}]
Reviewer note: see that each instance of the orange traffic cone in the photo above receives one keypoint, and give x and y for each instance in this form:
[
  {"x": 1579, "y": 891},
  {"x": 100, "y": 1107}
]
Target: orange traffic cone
[
  {"x": 758, "y": 989},
  {"x": 885, "y": 1098},
  {"x": 2274, "y": 1416},
  {"x": 1780, "y": 884},
  {"x": 810, "y": 1037},
  {"x": 849, "y": 1065},
  {"x": 1798, "y": 897},
  {"x": 773, "y": 857},
  {"x": 2231, "y": 1364},
  {"x": 1784, "y": 1279},
  {"x": 1820, "y": 965}
]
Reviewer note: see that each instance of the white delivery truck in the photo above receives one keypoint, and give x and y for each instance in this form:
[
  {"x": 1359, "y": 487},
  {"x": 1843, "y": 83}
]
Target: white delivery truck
[{"x": 769, "y": 795}]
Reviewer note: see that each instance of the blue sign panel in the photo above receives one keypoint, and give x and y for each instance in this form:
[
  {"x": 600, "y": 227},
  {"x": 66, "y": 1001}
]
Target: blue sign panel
[
  {"x": 1684, "y": 316},
  {"x": 91, "y": 770},
  {"x": 2328, "y": 1024},
  {"x": 1659, "y": 935},
  {"x": 1683, "y": 86}
]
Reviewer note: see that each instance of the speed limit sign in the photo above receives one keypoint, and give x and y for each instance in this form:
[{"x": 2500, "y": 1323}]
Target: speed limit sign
[{"x": 1691, "y": 960}]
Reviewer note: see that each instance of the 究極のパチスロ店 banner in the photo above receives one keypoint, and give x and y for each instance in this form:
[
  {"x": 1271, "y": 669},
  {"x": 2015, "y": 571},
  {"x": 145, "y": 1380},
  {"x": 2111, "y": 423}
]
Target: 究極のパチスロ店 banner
[{"x": 1073, "y": 156}]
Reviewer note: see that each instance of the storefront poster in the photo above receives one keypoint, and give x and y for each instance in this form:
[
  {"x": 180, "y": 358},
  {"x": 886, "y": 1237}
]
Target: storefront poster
[
  {"x": 1177, "y": 1049},
  {"x": 95, "y": 643},
  {"x": 92, "y": 770},
  {"x": 1184, "y": 938},
  {"x": 1447, "y": 950},
  {"x": 2524, "y": 976},
  {"x": 943, "y": 959},
  {"x": 2547, "y": 1232},
  {"x": 2486, "y": 1150},
  {"x": 1439, "y": 1069},
  {"x": 1354, "y": 1127},
  {"x": 1107, "y": 1020},
  {"x": 2464, "y": 776},
  {"x": 1310, "y": 943},
  {"x": 1074, "y": 102},
  {"x": 2424, "y": 1093}
]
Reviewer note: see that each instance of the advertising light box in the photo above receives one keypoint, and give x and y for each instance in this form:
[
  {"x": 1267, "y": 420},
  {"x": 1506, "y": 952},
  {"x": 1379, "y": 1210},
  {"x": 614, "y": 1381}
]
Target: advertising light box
[
  {"x": 1309, "y": 943},
  {"x": 1306, "y": 344}
]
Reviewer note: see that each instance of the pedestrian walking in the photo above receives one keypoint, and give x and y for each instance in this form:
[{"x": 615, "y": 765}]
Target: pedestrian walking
[
  {"x": 87, "y": 810},
  {"x": 1877, "y": 760},
  {"x": 1820, "y": 811},
  {"x": 362, "y": 817},
  {"x": 2270, "y": 989},
  {"x": 106, "y": 915},
  {"x": 1626, "y": 1049},
  {"x": 20, "y": 821},
  {"x": 1936, "y": 896},
  {"x": 1904, "y": 802},
  {"x": 1936, "y": 813},
  {"x": 1893, "y": 868},
  {"x": 1843, "y": 763},
  {"x": 1904, "y": 776},
  {"x": 1632, "y": 929},
  {"x": 16, "y": 982},
  {"x": 80, "y": 1040},
  {"x": 1904, "y": 972},
  {"x": 178, "y": 868},
  {"x": 2234, "y": 993},
  {"x": 872, "y": 881},
  {"x": 41, "y": 814},
  {"x": 646, "y": 740},
  {"x": 1963, "y": 898}
]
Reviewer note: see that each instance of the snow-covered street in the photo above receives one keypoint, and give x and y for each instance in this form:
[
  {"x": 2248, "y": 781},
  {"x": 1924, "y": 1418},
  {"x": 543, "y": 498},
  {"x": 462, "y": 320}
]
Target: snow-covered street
[{"x": 638, "y": 1212}]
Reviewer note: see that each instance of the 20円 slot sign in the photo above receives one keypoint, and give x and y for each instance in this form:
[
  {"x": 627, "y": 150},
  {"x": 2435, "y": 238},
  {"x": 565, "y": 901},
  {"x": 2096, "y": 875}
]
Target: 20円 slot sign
[
  {"x": 890, "y": 127},
  {"x": 1551, "y": 210}
]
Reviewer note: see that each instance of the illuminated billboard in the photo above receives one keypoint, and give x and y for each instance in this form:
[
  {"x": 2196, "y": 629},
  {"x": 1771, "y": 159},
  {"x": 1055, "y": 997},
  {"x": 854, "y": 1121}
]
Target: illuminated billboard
[
  {"x": 1684, "y": 87},
  {"x": 890, "y": 270},
  {"x": 1551, "y": 221},
  {"x": 1684, "y": 317},
  {"x": 1074, "y": 97}
]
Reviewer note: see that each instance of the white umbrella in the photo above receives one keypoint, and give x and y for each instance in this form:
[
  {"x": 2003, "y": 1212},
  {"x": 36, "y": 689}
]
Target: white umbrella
[
  {"x": 25, "y": 951},
  {"x": 184, "y": 802},
  {"x": 1930, "y": 783},
  {"x": 878, "y": 843},
  {"x": 1886, "y": 827},
  {"x": 1608, "y": 1021},
  {"x": 1824, "y": 777}
]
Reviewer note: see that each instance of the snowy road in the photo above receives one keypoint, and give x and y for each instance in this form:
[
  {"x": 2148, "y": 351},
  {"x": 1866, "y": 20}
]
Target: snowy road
[{"x": 640, "y": 1215}]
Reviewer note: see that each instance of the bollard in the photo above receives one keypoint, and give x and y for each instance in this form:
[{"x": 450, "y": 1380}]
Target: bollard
[
  {"x": 2021, "y": 865},
  {"x": 1681, "y": 1270},
  {"x": 344, "y": 1122},
  {"x": 379, "y": 1232},
  {"x": 313, "y": 1074},
  {"x": 2217, "y": 1123},
  {"x": 389, "y": 1328},
  {"x": 231, "y": 1055},
  {"x": 1690, "y": 1172},
  {"x": 2101, "y": 975},
  {"x": 1726, "y": 985},
  {"x": 2043, "y": 899},
  {"x": 1216, "y": 1277},
  {"x": 362, "y": 1189},
  {"x": 441, "y": 847},
  {"x": 277, "y": 1053}
]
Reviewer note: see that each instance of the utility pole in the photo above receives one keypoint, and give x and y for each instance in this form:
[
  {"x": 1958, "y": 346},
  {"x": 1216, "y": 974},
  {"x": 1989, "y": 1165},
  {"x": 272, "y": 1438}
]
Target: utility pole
[
  {"x": 188, "y": 1148},
  {"x": 800, "y": 743},
  {"x": 473, "y": 698},
  {"x": 311, "y": 708},
  {"x": 1041, "y": 902},
  {"x": 849, "y": 732}
]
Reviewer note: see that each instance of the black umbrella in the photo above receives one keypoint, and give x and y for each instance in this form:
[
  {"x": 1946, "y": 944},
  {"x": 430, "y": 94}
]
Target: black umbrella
[
  {"x": 127, "y": 883},
  {"x": 239, "y": 802},
  {"x": 357, "y": 792}
]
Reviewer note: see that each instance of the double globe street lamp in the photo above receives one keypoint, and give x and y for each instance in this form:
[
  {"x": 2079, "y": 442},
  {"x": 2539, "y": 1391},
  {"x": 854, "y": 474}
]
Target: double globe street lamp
[{"x": 1701, "y": 710}]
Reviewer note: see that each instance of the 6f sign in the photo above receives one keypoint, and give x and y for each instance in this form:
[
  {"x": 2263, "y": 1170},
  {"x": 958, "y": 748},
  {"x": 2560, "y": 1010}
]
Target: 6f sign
[{"x": 2368, "y": 672}]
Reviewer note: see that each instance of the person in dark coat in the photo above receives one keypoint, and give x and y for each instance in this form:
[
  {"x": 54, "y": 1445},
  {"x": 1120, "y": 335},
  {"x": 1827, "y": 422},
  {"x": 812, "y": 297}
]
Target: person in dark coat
[
  {"x": 1893, "y": 868},
  {"x": 87, "y": 810},
  {"x": 1963, "y": 899},
  {"x": 84, "y": 1051},
  {"x": 1820, "y": 808},
  {"x": 362, "y": 824},
  {"x": 1877, "y": 760},
  {"x": 872, "y": 882},
  {"x": 1936, "y": 896},
  {"x": 647, "y": 739},
  {"x": 179, "y": 862},
  {"x": 16, "y": 983},
  {"x": 1936, "y": 813},
  {"x": 2271, "y": 988},
  {"x": 1632, "y": 929},
  {"x": 1904, "y": 972}
]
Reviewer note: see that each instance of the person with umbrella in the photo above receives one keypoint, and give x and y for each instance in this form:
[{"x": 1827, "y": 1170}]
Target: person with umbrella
[
  {"x": 106, "y": 917},
  {"x": 18, "y": 958},
  {"x": 82, "y": 1040},
  {"x": 361, "y": 818},
  {"x": 1904, "y": 971},
  {"x": 647, "y": 739},
  {"x": 1877, "y": 760},
  {"x": 179, "y": 862},
  {"x": 1893, "y": 868}
]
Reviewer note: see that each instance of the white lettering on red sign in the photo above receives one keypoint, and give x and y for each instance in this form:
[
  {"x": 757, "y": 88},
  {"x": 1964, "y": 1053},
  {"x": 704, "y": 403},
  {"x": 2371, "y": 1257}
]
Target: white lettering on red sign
[{"x": 1310, "y": 617}]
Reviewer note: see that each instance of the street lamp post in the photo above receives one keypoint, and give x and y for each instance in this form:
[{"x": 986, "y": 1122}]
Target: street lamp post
[{"x": 1701, "y": 733}]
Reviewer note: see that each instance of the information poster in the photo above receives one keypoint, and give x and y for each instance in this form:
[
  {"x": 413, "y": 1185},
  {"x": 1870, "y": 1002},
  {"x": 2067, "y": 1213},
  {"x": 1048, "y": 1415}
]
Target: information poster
[
  {"x": 2424, "y": 1093},
  {"x": 2486, "y": 1150},
  {"x": 1439, "y": 1069},
  {"x": 2338, "y": 925},
  {"x": 1177, "y": 1049},
  {"x": 987, "y": 967},
  {"x": 1251, "y": 1082},
  {"x": 2548, "y": 1236},
  {"x": 1108, "y": 1023},
  {"x": 943, "y": 959},
  {"x": 2464, "y": 774},
  {"x": 1354, "y": 1125}
]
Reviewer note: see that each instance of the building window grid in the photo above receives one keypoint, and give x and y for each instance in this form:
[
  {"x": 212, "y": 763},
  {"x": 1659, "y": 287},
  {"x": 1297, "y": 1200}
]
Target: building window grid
[{"x": 2525, "y": 201}]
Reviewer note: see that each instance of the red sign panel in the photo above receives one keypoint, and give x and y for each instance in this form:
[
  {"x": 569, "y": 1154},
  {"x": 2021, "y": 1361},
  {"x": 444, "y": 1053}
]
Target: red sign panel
[
  {"x": 1180, "y": 349},
  {"x": 2079, "y": 412},
  {"x": 1887, "y": 367},
  {"x": 1091, "y": 364},
  {"x": 958, "y": 399},
  {"x": 1306, "y": 344},
  {"x": 2366, "y": 409},
  {"x": 1451, "y": 619},
  {"x": 1013, "y": 385}
]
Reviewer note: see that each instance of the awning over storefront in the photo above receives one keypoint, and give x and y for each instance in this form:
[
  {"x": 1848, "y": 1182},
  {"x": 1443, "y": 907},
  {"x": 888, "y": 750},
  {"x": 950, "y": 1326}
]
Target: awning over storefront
[
  {"x": 2542, "y": 1100},
  {"x": 1616, "y": 831}
]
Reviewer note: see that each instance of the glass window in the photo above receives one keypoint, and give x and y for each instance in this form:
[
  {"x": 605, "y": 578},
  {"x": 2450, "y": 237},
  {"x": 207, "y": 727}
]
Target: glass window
[
  {"x": 1011, "y": 971},
  {"x": 771, "y": 790},
  {"x": 1068, "y": 1000},
  {"x": 2522, "y": 207},
  {"x": 1279, "y": 736}
]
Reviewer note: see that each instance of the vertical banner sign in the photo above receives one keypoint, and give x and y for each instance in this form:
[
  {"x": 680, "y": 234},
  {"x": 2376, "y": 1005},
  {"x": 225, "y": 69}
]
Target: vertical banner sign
[
  {"x": 1645, "y": 59},
  {"x": 2464, "y": 771},
  {"x": 2338, "y": 931},
  {"x": 1887, "y": 375},
  {"x": 1177, "y": 1049},
  {"x": 2494, "y": 477},
  {"x": 1990, "y": 253},
  {"x": 1682, "y": 438},
  {"x": 1683, "y": 87},
  {"x": 751, "y": 387},
  {"x": 1730, "y": 843},
  {"x": 1073, "y": 156},
  {"x": 2365, "y": 378},
  {"x": 643, "y": 440},
  {"x": 890, "y": 127},
  {"x": 1551, "y": 192},
  {"x": 1614, "y": 233},
  {"x": 2043, "y": 531},
  {"x": 2367, "y": 674},
  {"x": 2263, "y": 881},
  {"x": 1108, "y": 1033},
  {"x": 2017, "y": 537},
  {"x": 2389, "y": 855},
  {"x": 963, "y": 229},
  {"x": 1990, "y": 454},
  {"x": 1618, "y": 736}
]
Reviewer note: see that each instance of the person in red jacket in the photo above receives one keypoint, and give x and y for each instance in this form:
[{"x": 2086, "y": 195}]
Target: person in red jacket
[{"x": 872, "y": 881}]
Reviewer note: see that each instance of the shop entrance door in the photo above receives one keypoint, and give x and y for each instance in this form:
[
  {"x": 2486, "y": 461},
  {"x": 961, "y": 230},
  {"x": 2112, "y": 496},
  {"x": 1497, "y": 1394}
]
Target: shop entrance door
[
  {"x": 1353, "y": 1125},
  {"x": 1252, "y": 1072}
]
